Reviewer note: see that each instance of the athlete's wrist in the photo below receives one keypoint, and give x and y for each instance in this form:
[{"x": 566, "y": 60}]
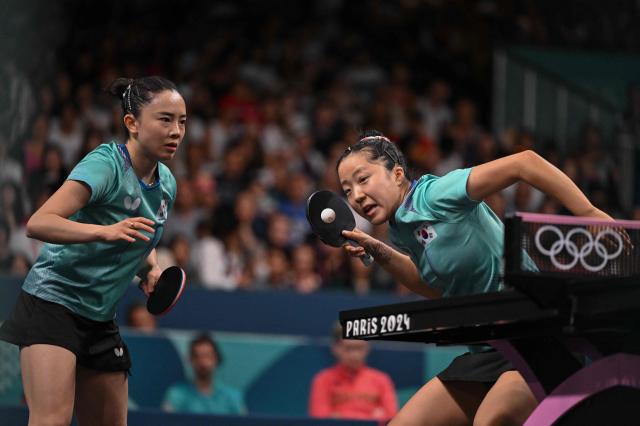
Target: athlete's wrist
[
  {"x": 380, "y": 252},
  {"x": 98, "y": 232}
]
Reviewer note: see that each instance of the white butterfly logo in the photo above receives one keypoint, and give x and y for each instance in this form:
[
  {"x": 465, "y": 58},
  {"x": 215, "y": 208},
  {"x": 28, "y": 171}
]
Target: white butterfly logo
[{"x": 130, "y": 204}]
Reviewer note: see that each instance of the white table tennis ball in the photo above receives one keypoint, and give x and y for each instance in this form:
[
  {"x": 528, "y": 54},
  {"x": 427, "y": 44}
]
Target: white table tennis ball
[{"x": 328, "y": 215}]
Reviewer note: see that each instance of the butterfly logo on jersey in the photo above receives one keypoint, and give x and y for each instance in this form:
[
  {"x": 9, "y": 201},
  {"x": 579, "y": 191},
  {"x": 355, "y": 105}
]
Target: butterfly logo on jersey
[
  {"x": 161, "y": 214},
  {"x": 131, "y": 204},
  {"x": 425, "y": 234}
]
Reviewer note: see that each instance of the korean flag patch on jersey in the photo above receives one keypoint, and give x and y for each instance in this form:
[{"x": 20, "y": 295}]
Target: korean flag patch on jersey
[{"x": 425, "y": 234}]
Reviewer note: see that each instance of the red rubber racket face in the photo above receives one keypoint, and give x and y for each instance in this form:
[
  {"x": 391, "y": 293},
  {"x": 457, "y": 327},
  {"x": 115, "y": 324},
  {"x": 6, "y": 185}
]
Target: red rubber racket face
[
  {"x": 167, "y": 291},
  {"x": 330, "y": 233}
]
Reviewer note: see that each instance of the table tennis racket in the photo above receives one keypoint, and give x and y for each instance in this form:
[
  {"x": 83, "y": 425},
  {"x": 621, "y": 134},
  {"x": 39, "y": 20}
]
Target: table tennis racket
[
  {"x": 167, "y": 291},
  {"x": 330, "y": 232}
]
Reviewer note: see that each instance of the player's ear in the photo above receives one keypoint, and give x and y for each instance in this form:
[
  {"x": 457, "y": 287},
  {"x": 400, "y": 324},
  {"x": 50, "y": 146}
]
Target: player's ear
[
  {"x": 398, "y": 173},
  {"x": 131, "y": 123}
]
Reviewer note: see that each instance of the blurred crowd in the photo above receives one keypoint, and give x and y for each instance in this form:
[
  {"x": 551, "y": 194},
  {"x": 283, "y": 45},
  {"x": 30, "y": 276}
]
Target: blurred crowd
[{"x": 273, "y": 100}]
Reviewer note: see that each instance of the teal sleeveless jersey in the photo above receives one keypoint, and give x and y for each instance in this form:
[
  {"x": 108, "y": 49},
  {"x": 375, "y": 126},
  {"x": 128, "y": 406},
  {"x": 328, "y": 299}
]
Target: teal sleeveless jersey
[
  {"x": 455, "y": 242},
  {"x": 90, "y": 278}
]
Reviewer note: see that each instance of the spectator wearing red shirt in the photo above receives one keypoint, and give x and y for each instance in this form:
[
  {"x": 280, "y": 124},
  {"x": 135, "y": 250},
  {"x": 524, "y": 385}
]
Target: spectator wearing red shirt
[{"x": 350, "y": 389}]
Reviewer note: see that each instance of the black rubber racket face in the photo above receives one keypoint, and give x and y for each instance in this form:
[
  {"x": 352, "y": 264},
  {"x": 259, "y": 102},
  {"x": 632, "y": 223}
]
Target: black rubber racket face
[
  {"x": 330, "y": 233},
  {"x": 167, "y": 291}
]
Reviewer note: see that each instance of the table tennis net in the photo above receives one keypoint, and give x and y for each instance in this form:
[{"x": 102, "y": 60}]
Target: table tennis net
[{"x": 572, "y": 246}]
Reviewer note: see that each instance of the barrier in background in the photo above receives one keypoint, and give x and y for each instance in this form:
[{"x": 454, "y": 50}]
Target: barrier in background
[
  {"x": 274, "y": 373},
  {"x": 271, "y": 312}
]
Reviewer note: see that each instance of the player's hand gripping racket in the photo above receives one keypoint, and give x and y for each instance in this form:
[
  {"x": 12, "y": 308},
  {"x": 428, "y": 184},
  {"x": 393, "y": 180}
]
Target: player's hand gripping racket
[
  {"x": 337, "y": 217},
  {"x": 167, "y": 290}
]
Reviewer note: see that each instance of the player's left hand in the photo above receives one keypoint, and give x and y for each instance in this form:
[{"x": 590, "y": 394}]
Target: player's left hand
[
  {"x": 611, "y": 240},
  {"x": 149, "y": 282}
]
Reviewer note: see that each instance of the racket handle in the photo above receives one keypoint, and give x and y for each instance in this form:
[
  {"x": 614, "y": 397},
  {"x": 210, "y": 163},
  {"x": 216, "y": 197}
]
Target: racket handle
[{"x": 367, "y": 259}]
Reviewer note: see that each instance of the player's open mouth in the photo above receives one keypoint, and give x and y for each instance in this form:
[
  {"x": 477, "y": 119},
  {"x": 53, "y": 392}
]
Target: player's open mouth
[
  {"x": 370, "y": 210},
  {"x": 171, "y": 147}
]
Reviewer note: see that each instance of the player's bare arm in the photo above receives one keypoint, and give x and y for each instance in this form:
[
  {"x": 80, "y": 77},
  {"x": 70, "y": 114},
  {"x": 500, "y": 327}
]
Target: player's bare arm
[
  {"x": 51, "y": 224},
  {"x": 399, "y": 265},
  {"x": 529, "y": 167}
]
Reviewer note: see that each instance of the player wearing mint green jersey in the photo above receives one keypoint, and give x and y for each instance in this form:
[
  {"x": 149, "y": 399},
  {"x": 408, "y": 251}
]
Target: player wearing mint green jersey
[
  {"x": 455, "y": 241},
  {"x": 449, "y": 243},
  {"x": 100, "y": 227},
  {"x": 90, "y": 278}
]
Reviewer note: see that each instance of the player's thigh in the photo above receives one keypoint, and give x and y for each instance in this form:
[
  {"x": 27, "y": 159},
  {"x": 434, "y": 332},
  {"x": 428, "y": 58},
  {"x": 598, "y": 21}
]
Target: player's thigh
[
  {"x": 439, "y": 403},
  {"x": 101, "y": 397},
  {"x": 509, "y": 402},
  {"x": 48, "y": 378}
]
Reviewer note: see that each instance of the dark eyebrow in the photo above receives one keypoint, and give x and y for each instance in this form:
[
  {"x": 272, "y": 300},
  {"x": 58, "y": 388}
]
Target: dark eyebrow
[{"x": 170, "y": 114}]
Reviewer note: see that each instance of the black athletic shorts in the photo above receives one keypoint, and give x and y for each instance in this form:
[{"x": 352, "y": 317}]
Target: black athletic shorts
[
  {"x": 483, "y": 367},
  {"x": 97, "y": 345}
]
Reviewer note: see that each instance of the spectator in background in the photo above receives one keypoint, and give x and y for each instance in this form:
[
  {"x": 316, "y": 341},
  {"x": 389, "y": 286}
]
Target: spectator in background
[
  {"x": 435, "y": 110},
  {"x": 294, "y": 206},
  {"x": 305, "y": 271},
  {"x": 235, "y": 175},
  {"x": 205, "y": 394},
  {"x": 10, "y": 169},
  {"x": 186, "y": 214},
  {"x": 67, "y": 134},
  {"x": 12, "y": 207},
  {"x": 92, "y": 139},
  {"x": 279, "y": 232},
  {"x": 33, "y": 149},
  {"x": 211, "y": 260},
  {"x": 5, "y": 254},
  {"x": 305, "y": 158},
  {"x": 464, "y": 130},
  {"x": 140, "y": 319},
  {"x": 350, "y": 389},
  {"x": 278, "y": 274},
  {"x": 422, "y": 151},
  {"x": 50, "y": 175}
]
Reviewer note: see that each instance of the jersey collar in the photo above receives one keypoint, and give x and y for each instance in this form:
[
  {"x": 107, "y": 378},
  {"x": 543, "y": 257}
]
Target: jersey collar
[
  {"x": 406, "y": 203},
  {"x": 127, "y": 158}
]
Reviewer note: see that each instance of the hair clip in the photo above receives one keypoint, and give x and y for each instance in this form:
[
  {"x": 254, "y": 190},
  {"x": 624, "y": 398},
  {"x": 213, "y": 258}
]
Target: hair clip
[{"x": 127, "y": 92}]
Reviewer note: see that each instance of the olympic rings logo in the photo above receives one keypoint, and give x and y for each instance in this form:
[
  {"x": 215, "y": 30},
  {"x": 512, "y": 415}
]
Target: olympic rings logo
[{"x": 579, "y": 255}]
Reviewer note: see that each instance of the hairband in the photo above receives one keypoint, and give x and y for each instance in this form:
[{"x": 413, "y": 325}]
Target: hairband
[
  {"x": 367, "y": 138},
  {"x": 392, "y": 155}
]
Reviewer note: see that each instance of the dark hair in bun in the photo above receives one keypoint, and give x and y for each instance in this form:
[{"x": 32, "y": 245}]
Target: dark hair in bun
[{"x": 135, "y": 93}]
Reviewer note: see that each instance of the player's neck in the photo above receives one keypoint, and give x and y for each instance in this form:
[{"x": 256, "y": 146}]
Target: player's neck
[
  {"x": 144, "y": 167},
  {"x": 404, "y": 191}
]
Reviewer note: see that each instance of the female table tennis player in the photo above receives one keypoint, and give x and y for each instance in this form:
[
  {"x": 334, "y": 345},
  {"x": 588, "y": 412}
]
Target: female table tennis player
[
  {"x": 449, "y": 243},
  {"x": 101, "y": 227}
]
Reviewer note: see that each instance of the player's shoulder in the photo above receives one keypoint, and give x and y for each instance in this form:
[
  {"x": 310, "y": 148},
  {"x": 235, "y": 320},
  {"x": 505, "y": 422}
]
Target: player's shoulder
[
  {"x": 434, "y": 185},
  {"x": 105, "y": 151},
  {"x": 423, "y": 183},
  {"x": 165, "y": 172}
]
